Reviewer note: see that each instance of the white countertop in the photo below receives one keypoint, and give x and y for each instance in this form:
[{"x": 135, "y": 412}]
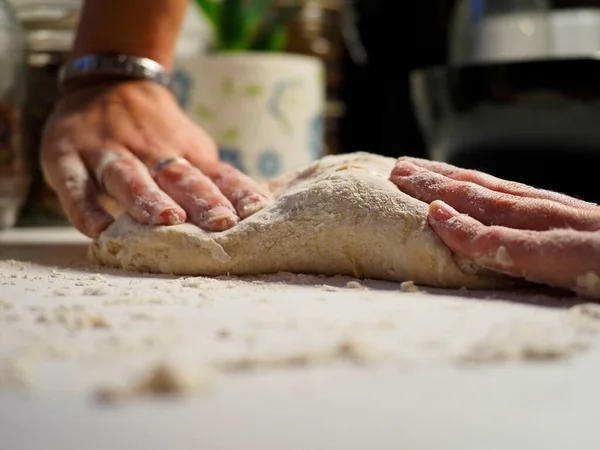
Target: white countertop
[{"x": 288, "y": 362}]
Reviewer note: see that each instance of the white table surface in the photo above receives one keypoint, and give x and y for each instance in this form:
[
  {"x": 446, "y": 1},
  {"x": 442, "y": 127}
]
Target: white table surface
[{"x": 417, "y": 392}]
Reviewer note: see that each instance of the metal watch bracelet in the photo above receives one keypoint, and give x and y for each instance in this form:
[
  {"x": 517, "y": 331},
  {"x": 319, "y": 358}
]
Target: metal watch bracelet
[{"x": 117, "y": 65}]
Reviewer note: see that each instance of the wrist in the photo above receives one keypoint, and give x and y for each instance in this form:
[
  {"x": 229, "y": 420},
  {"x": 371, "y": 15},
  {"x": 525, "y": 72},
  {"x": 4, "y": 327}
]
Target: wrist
[{"x": 91, "y": 68}]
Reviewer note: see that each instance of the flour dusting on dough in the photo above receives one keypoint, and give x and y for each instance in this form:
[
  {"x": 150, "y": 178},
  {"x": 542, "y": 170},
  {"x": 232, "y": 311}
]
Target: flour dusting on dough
[
  {"x": 339, "y": 216},
  {"x": 589, "y": 284}
]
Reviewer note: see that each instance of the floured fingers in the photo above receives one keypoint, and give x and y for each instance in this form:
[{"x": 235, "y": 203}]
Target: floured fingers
[{"x": 126, "y": 179}]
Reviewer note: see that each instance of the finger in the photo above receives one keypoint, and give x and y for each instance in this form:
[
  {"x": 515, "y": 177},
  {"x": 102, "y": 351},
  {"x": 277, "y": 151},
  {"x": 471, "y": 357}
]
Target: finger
[
  {"x": 204, "y": 203},
  {"x": 562, "y": 258},
  {"x": 497, "y": 184},
  {"x": 489, "y": 206},
  {"x": 127, "y": 180},
  {"x": 246, "y": 196},
  {"x": 77, "y": 192}
]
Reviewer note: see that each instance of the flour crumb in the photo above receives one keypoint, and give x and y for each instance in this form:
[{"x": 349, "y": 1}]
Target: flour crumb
[
  {"x": 143, "y": 317},
  {"x": 585, "y": 317},
  {"x": 357, "y": 351},
  {"x": 589, "y": 310},
  {"x": 264, "y": 300},
  {"x": 524, "y": 341},
  {"x": 354, "y": 285},
  {"x": 73, "y": 319},
  {"x": 329, "y": 288},
  {"x": 96, "y": 290},
  {"x": 162, "y": 380},
  {"x": 136, "y": 300},
  {"x": 503, "y": 258},
  {"x": 347, "y": 350},
  {"x": 21, "y": 265},
  {"x": 409, "y": 286},
  {"x": 13, "y": 317},
  {"x": 57, "y": 274},
  {"x": 17, "y": 371},
  {"x": 224, "y": 333},
  {"x": 588, "y": 284},
  {"x": 61, "y": 292},
  {"x": 5, "y": 306}
]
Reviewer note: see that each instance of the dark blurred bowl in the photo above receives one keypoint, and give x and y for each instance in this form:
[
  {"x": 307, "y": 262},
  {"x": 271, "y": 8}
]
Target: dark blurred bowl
[{"x": 537, "y": 122}]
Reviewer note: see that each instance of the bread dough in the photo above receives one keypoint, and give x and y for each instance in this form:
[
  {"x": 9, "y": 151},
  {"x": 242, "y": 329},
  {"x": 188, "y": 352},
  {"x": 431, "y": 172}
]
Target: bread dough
[{"x": 339, "y": 216}]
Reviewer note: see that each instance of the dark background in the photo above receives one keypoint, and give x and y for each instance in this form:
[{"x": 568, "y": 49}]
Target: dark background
[{"x": 398, "y": 36}]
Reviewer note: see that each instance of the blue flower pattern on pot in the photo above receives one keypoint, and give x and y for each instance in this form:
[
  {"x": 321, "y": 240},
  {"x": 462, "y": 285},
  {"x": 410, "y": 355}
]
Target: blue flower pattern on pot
[
  {"x": 232, "y": 157},
  {"x": 181, "y": 85},
  {"x": 269, "y": 163},
  {"x": 316, "y": 137}
]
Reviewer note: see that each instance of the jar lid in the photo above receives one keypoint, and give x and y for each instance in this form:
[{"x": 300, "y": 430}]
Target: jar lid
[
  {"x": 55, "y": 14},
  {"x": 50, "y": 40}
]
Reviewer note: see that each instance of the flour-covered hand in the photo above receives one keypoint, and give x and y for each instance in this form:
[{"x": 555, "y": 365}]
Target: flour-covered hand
[
  {"x": 132, "y": 141},
  {"x": 542, "y": 236}
]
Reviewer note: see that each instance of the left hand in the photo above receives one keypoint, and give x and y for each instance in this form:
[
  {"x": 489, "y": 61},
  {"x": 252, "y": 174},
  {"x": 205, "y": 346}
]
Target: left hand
[{"x": 542, "y": 236}]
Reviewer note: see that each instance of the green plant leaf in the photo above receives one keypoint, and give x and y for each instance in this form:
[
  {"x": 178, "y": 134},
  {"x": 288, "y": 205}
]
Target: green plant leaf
[
  {"x": 232, "y": 25},
  {"x": 211, "y": 9},
  {"x": 254, "y": 15},
  {"x": 272, "y": 35}
]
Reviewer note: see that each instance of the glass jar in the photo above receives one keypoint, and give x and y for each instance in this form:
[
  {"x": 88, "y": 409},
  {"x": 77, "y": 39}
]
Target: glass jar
[
  {"x": 14, "y": 177},
  {"x": 316, "y": 30},
  {"x": 49, "y": 29},
  {"x": 492, "y": 31}
]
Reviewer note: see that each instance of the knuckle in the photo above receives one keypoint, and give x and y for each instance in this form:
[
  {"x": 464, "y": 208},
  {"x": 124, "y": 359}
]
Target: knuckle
[
  {"x": 459, "y": 188},
  {"x": 181, "y": 174},
  {"x": 490, "y": 236},
  {"x": 508, "y": 202}
]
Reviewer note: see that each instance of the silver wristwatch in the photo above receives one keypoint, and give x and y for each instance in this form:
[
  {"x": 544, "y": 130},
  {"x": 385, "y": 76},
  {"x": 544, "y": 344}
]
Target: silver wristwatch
[{"x": 127, "y": 66}]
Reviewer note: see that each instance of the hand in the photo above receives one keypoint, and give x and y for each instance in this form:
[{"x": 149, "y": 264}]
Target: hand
[
  {"x": 542, "y": 236},
  {"x": 111, "y": 136}
]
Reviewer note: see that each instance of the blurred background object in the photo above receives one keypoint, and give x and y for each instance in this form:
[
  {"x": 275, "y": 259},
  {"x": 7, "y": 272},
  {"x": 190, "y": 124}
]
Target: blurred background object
[
  {"x": 316, "y": 29},
  {"x": 14, "y": 176},
  {"x": 520, "y": 97},
  {"x": 262, "y": 103},
  {"x": 488, "y": 31},
  {"x": 396, "y": 37},
  {"x": 49, "y": 28}
]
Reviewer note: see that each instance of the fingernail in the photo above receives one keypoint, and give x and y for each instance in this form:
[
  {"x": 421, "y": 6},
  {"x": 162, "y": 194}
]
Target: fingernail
[
  {"x": 221, "y": 218},
  {"x": 441, "y": 212},
  {"x": 404, "y": 169},
  {"x": 171, "y": 217},
  {"x": 251, "y": 204}
]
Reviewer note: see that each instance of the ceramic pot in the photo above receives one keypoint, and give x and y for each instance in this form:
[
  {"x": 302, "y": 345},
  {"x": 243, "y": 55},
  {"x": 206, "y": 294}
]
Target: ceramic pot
[{"x": 264, "y": 110}]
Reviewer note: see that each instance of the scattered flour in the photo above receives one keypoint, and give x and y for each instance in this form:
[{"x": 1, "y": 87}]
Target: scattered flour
[
  {"x": 96, "y": 290},
  {"x": 164, "y": 379},
  {"x": 525, "y": 341},
  {"x": 5, "y": 306},
  {"x": 409, "y": 286},
  {"x": 73, "y": 318},
  {"x": 17, "y": 372},
  {"x": 349, "y": 350}
]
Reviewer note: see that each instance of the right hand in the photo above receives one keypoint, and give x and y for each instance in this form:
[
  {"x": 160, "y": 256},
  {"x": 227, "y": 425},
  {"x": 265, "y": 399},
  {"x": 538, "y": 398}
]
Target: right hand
[
  {"x": 125, "y": 129},
  {"x": 542, "y": 236}
]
